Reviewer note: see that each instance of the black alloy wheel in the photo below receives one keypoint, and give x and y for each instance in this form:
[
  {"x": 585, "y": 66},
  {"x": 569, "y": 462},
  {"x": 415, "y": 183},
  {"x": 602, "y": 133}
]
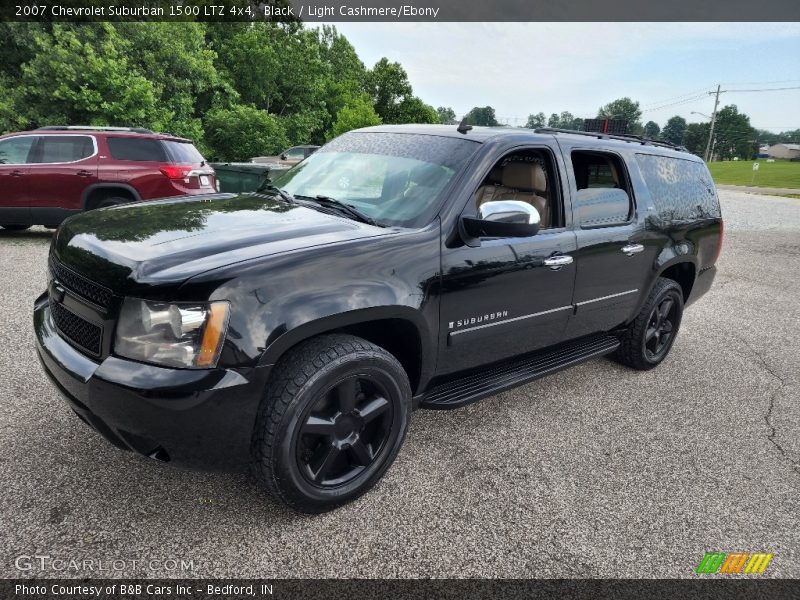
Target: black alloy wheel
[
  {"x": 658, "y": 335},
  {"x": 648, "y": 339},
  {"x": 344, "y": 431}
]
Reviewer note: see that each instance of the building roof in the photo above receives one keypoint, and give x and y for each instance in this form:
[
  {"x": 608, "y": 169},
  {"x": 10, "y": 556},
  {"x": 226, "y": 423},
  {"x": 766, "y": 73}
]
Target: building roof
[{"x": 787, "y": 146}]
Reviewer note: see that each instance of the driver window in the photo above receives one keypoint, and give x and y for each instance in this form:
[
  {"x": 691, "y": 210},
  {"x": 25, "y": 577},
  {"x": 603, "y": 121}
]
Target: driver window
[{"x": 527, "y": 176}]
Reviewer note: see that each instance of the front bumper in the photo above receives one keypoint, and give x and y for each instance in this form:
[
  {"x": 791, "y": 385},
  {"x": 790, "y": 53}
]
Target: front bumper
[{"x": 195, "y": 418}]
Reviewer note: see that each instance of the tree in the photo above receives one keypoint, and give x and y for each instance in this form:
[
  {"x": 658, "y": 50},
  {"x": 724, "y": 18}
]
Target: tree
[
  {"x": 734, "y": 135},
  {"x": 651, "y": 130},
  {"x": 414, "y": 110},
  {"x": 536, "y": 121},
  {"x": 694, "y": 137},
  {"x": 387, "y": 83},
  {"x": 447, "y": 116},
  {"x": 275, "y": 68},
  {"x": 565, "y": 121},
  {"x": 241, "y": 132},
  {"x": 674, "y": 130},
  {"x": 359, "y": 113},
  {"x": 481, "y": 116},
  {"x": 625, "y": 109},
  {"x": 89, "y": 80},
  {"x": 174, "y": 57}
]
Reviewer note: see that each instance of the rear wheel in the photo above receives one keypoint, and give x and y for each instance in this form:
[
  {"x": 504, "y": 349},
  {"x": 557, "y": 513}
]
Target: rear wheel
[
  {"x": 15, "y": 227},
  {"x": 333, "y": 420},
  {"x": 648, "y": 340}
]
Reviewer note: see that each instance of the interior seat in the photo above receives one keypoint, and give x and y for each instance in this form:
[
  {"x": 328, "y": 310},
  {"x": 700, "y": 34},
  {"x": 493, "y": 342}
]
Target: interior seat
[{"x": 521, "y": 181}]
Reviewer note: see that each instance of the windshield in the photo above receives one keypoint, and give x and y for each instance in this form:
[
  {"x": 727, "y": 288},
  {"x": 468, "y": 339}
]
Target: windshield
[{"x": 394, "y": 178}]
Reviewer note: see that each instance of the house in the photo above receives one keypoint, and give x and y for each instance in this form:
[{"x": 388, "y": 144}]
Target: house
[{"x": 784, "y": 151}]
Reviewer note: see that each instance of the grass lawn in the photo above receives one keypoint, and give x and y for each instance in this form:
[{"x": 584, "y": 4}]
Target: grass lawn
[{"x": 780, "y": 174}]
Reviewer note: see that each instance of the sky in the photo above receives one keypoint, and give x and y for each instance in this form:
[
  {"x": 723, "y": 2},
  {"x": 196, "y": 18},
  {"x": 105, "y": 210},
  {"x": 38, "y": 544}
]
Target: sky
[{"x": 524, "y": 68}]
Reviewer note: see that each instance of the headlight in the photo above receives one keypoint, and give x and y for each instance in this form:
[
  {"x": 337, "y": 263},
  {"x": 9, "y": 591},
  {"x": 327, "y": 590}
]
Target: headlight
[{"x": 188, "y": 335}]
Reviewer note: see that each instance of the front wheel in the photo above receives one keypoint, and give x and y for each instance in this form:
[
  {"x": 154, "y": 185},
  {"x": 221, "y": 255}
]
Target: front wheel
[
  {"x": 332, "y": 422},
  {"x": 648, "y": 340}
]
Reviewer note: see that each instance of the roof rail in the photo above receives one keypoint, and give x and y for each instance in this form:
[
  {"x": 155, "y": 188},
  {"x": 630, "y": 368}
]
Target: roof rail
[
  {"x": 93, "y": 128},
  {"x": 624, "y": 137}
]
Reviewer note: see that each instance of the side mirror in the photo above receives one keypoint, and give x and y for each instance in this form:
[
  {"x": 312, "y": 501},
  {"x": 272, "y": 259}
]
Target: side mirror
[
  {"x": 602, "y": 207},
  {"x": 283, "y": 156},
  {"x": 502, "y": 218}
]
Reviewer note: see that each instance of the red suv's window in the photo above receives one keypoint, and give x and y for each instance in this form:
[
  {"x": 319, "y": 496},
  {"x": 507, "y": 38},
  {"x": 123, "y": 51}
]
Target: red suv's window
[
  {"x": 183, "y": 152},
  {"x": 63, "y": 148},
  {"x": 136, "y": 149}
]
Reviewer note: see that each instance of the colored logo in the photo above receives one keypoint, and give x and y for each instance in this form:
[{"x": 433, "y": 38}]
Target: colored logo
[{"x": 734, "y": 563}]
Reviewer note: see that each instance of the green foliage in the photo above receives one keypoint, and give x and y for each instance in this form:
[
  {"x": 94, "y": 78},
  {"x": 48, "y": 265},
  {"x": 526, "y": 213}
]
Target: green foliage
[
  {"x": 447, "y": 116},
  {"x": 733, "y": 135},
  {"x": 481, "y": 116},
  {"x": 623, "y": 108},
  {"x": 536, "y": 121},
  {"x": 287, "y": 83},
  {"x": 674, "y": 130},
  {"x": 388, "y": 85},
  {"x": 695, "y": 137},
  {"x": 358, "y": 113},
  {"x": 565, "y": 121},
  {"x": 89, "y": 80},
  {"x": 241, "y": 132},
  {"x": 651, "y": 130}
]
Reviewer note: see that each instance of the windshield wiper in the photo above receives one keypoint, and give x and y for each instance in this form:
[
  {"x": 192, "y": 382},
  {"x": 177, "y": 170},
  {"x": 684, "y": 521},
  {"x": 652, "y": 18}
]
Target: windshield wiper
[
  {"x": 347, "y": 209},
  {"x": 285, "y": 196}
]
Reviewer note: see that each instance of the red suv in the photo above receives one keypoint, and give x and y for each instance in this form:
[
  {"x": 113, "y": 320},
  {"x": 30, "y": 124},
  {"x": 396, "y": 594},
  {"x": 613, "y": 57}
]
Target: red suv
[{"x": 51, "y": 173}]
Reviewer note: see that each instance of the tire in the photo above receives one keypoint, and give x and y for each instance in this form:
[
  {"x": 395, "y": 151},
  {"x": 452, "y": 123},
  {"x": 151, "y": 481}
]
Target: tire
[
  {"x": 648, "y": 340},
  {"x": 15, "y": 227},
  {"x": 332, "y": 421}
]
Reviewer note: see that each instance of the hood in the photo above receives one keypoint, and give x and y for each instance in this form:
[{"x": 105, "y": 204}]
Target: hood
[{"x": 169, "y": 241}]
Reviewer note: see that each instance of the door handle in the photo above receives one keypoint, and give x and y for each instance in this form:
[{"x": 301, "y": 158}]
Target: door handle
[
  {"x": 84, "y": 173},
  {"x": 632, "y": 249},
  {"x": 558, "y": 261},
  {"x": 16, "y": 173}
]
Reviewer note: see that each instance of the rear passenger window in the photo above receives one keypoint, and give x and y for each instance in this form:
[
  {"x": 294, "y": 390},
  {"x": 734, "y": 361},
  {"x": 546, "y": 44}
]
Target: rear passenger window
[
  {"x": 681, "y": 189},
  {"x": 128, "y": 148},
  {"x": 603, "y": 196},
  {"x": 63, "y": 148}
]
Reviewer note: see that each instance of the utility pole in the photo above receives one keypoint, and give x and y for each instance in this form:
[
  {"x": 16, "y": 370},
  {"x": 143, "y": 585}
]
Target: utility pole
[{"x": 713, "y": 120}]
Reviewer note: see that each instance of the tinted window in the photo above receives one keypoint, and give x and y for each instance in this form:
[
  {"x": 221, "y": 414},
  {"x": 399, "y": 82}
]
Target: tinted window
[
  {"x": 183, "y": 152},
  {"x": 130, "y": 148},
  {"x": 14, "y": 151},
  {"x": 604, "y": 197},
  {"x": 63, "y": 148},
  {"x": 681, "y": 189}
]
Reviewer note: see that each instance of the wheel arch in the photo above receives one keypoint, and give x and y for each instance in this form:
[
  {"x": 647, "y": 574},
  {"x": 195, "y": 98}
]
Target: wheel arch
[
  {"x": 399, "y": 330},
  {"x": 683, "y": 272},
  {"x": 97, "y": 191}
]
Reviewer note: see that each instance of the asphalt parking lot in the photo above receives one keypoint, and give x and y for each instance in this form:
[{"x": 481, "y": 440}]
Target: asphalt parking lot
[{"x": 598, "y": 471}]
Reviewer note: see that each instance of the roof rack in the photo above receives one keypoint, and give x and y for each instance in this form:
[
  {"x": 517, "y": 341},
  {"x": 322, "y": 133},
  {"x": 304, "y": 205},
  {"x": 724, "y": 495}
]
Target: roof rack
[
  {"x": 624, "y": 137},
  {"x": 93, "y": 128}
]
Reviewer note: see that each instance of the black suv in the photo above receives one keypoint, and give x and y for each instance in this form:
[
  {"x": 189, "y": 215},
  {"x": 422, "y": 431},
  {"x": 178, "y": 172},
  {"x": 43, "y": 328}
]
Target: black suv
[{"x": 296, "y": 327}]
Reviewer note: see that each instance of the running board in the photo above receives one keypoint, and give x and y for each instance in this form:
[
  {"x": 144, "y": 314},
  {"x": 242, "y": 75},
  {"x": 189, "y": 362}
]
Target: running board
[{"x": 502, "y": 376}]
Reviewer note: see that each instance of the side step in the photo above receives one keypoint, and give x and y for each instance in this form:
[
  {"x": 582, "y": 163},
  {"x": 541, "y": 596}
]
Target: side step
[{"x": 502, "y": 376}]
